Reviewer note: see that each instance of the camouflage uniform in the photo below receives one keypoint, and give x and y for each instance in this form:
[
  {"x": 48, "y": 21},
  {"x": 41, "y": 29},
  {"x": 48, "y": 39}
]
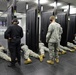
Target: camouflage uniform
[
  {"x": 28, "y": 52},
  {"x": 42, "y": 49},
  {"x": 53, "y": 38},
  {"x": 3, "y": 55}
]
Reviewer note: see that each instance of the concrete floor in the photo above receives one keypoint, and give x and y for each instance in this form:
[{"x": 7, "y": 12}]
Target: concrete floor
[{"x": 66, "y": 66}]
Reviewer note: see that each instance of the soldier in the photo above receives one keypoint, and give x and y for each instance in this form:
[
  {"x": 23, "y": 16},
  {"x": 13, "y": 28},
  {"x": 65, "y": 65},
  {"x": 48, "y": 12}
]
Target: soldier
[
  {"x": 53, "y": 38},
  {"x": 42, "y": 49},
  {"x": 71, "y": 45},
  {"x": 4, "y": 55},
  {"x": 74, "y": 39},
  {"x": 13, "y": 34},
  {"x": 28, "y": 53},
  {"x": 66, "y": 48},
  {"x": 61, "y": 50}
]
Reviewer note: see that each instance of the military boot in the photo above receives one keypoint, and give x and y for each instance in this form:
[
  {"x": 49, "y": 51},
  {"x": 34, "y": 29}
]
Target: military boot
[
  {"x": 50, "y": 62},
  {"x": 41, "y": 58},
  {"x": 59, "y": 53},
  {"x": 57, "y": 60},
  {"x": 72, "y": 50},
  {"x": 63, "y": 52},
  {"x": 28, "y": 61}
]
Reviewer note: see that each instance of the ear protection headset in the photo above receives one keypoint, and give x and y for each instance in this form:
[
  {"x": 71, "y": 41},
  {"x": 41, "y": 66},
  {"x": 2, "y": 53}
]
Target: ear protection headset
[
  {"x": 15, "y": 20},
  {"x": 51, "y": 20}
]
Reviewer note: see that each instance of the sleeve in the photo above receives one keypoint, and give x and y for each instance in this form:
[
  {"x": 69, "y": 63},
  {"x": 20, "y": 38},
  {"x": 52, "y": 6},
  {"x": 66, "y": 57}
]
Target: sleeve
[
  {"x": 21, "y": 34},
  {"x": 7, "y": 33},
  {"x": 61, "y": 30},
  {"x": 50, "y": 28},
  {"x": 2, "y": 48}
]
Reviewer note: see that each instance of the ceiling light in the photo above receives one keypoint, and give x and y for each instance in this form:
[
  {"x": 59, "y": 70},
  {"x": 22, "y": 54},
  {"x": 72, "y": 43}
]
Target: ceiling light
[
  {"x": 67, "y": 6},
  {"x": 24, "y": 0},
  {"x": 17, "y": 14},
  {"x": 4, "y": 15},
  {"x": 1, "y": 12},
  {"x": 42, "y": 8},
  {"x": 65, "y": 10},
  {"x": 73, "y": 11},
  {"x": 41, "y": 1},
  {"x": 54, "y": 4}
]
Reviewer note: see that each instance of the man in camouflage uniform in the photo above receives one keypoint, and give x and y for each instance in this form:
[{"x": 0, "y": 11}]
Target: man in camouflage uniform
[
  {"x": 28, "y": 53},
  {"x": 43, "y": 49},
  {"x": 4, "y": 55},
  {"x": 53, "y": 38}
]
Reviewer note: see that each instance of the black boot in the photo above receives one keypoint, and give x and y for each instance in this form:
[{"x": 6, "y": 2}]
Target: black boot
[
  {"x": 11, "y": 65},
  {"x": 19, "y": 62}
]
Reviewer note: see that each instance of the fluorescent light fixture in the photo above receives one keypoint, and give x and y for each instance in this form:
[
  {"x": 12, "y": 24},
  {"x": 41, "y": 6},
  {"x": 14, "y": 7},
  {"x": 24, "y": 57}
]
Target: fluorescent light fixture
[
  {"x": 20, "y": 15},
  {"x": 1, "y": 12},
  {"x": 4, "y": 15},
  {"x": 67, "y": 6},
  {"x": 42, "y": 8},
  {"x": 24, "y": 0},
  {"x": 65, "y": 10},
  {"x": 73, "y": 11},
  {"x": 26, "y": 6},
  {"x": 41, "y": 1},
  {"x": 54, "y": 4},
  {"x": 21, "y": 0},
  {"x": 68, "y": 18},
  {"x": 17, "y": 14}
]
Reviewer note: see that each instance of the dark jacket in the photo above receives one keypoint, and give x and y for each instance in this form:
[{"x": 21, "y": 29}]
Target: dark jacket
[{"x": 13, "y": 32}]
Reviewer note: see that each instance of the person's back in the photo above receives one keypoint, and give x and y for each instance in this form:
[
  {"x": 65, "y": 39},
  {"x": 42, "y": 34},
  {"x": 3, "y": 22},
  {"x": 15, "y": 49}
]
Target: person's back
[
  {"x": 55, "y": 33},
  {"x": 16, "y": 31}
]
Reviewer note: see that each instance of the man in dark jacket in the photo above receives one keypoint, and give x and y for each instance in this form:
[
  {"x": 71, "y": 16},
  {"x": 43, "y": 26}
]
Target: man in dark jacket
[{"x": 13, "y": 34}]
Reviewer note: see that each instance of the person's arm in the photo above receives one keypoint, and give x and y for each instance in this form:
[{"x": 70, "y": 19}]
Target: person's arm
[
  {"x": 7, "y": 33},
  {"x": 2, "y": 48},
  {"x": 21, "y": 34},
  {"x": 49, "y": 33},
  {"x": 61, "y": 30}
]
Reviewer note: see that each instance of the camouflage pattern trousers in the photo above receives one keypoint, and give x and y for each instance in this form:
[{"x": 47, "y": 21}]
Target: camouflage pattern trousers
[{"x": 53, "y": 50}]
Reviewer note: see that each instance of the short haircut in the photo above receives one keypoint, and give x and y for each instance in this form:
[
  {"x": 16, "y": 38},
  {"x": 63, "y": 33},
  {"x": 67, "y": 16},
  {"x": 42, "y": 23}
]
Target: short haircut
[{"x": 52, "y": 18}]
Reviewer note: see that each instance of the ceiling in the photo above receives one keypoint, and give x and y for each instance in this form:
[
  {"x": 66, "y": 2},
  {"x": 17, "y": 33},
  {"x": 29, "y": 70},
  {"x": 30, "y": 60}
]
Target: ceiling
[
  {"x": 73, "y": 2},
  {"x": 21, "y": 5}
]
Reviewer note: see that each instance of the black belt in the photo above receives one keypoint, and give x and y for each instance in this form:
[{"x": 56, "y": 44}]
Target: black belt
[{"x": 15, "y": 37}]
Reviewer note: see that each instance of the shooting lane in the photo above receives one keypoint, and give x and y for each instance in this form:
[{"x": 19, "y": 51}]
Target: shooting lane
[
  {"x": 32, "y": 29},
  {"x": 71, "y": 28},
  {"x": 62, "y": 19},
  {"x": 44, "y": 25}
]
